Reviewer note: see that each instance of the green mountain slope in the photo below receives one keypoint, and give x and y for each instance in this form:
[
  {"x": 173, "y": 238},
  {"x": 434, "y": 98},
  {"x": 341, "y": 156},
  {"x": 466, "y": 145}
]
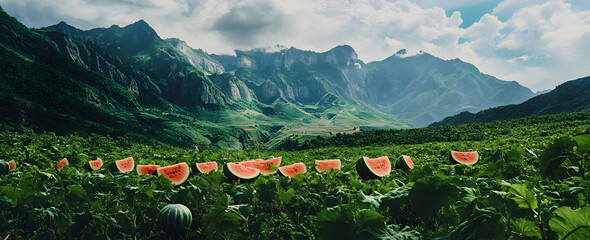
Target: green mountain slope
[
  {"x": 572, "y": 96},
  {"x": 128, "y": 81}
]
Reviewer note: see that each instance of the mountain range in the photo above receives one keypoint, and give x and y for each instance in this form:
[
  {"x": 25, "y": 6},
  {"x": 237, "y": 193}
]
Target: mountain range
[
  {"x": 571, "y": 96},
  {"x": 129, "y": 81}
]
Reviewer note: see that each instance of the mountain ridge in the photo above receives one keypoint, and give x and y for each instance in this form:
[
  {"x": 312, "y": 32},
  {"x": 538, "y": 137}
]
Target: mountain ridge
[
  {"x": 406, "y": 87},
  {"x": 571, "y": 96},
  {"x": 127, "y": 81}
]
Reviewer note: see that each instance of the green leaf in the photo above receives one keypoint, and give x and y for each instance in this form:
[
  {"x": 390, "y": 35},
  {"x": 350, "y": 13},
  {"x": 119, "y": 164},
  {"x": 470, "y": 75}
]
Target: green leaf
[
  {"x": 571, "y": 224},
  {"x": 347, "y": 222},
  {"x": 482, "y": 224},
  {"x": 583, "y": 142},
  {"x": 526, "y": 228},
  {"x": 286, "y": 196},
  {"x": 555, "y": 155},
  {"x": 394, "y": 232},
  {"x": 368, "y": 218},
  {"x": 524, "y": 197},
  {"x": 77, "y": 190},
  {"x": 368, "y": 202}
]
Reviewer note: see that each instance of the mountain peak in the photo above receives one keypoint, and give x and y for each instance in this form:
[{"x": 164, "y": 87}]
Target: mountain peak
[
  {"x": 343, "y": 54},
  {"x": 142, "y": 26},
  {"x": 401, "y": 52}
]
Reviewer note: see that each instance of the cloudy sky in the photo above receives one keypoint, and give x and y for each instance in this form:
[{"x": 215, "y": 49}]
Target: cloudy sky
[{"x": 539, "y": 43}]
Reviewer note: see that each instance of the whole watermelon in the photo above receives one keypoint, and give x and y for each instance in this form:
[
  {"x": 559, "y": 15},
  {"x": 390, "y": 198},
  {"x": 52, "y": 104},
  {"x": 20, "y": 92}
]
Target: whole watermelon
[
  {"x": 4, "y": 167},
  {"x": 175, "y": 218}
]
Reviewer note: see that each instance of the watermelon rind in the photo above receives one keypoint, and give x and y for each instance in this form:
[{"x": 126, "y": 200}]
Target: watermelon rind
[
  {"x": 91, "y": 167},
  {"x": 122, "y": 168},
  {"x": 12, "y": 164},
  {"x": 230, "y": 173},
  {"x": 455, "y": 160},
  {"x": 318, "y": 162},
  {"x": 401, "y": 163},
  {"x": 365, "y": 172},
  {"x": 177, "y": 167},
  {"x": 175, "y": 218},
  {"x": 4, "y": 167}
]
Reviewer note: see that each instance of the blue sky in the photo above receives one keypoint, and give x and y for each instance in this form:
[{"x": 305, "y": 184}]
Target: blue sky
[{"x": 539, "y": 43}]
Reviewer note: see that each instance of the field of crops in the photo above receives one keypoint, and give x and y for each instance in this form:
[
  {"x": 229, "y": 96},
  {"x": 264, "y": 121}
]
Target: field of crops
[{"x": 531, "y": 182}]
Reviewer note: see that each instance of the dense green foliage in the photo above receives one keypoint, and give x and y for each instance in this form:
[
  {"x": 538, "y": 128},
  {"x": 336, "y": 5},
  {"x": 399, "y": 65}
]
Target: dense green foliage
[
  {"x": 506, "y": 194},
  {"x": 543, "y": 125}
]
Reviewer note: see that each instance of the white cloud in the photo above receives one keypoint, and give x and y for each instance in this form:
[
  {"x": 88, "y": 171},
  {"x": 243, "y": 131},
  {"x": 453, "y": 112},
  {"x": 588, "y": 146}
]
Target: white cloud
[{"x": 538, "y": 43}]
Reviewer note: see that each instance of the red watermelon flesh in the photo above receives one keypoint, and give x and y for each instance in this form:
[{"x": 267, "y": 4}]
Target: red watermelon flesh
[
  {"x": 61, "y": 163},
  {"x": 467, "y": 158},
  {"x": 96, "y": 164},
  {"x": 125, "y": 165},
  {"x": 263, "y": 165},
  {"x": 207, "y": 167},
  {"x": 12, "y": 164},
  {"x": 327, "y": 165},
  {"x": 238, "y": 171},
  {"x": 177, "y": 173},
  {"x": 147, "y": 169},
  {"x": 293, "y": 169},
  {"x": 380, "y": 166}
]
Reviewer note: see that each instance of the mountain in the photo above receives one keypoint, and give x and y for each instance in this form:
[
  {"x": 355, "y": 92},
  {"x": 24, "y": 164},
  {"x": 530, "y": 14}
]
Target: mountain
[
  {"x": 571, "y": 96},
  {"x": 419, "y": 88},
  {"x": 127, "y": 81}
]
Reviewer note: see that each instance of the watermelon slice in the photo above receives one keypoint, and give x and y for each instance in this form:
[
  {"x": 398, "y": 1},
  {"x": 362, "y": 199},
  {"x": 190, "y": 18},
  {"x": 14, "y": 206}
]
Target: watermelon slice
[
  {"x": 293, "y": 169},
  {"x": 373, "y": 168},
  {"x": 263, "y": 165},
  {"x": 467, "y": 158},
  {"x": 12, "y": 164},
  {"x": 177, "y": 173},
  {"x": 61, "y": 164},
  {"x": 236, "y": 171},
  {"x": 327, "y": 165},
  {"x": 125, "y": 165},
  {"x": 404, "y": 162},
  {"x": 147, "y": 169},
  {"x": 95, "y": 165},
  {"x": 207, "y": 167}
]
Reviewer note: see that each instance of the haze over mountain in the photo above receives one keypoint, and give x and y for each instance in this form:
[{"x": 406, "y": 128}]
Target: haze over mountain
[
  {"x": 140, "y": 84},
  {"x": 420, "y": 88},
  {"x": 571, "y": 96}
]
